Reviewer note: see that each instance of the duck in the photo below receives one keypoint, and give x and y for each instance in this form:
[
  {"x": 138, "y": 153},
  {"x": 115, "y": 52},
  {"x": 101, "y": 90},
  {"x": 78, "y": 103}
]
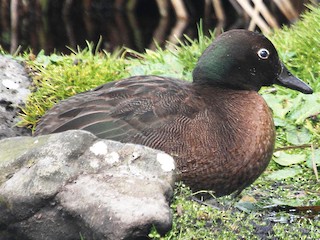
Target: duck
[{"x": 218, "y": 128}]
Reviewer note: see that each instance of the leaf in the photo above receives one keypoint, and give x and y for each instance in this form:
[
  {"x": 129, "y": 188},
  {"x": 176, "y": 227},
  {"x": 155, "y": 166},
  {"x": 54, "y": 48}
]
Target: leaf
[
  {"x": 298, "y": 136},
  {"x": 295, "y": 109},
  {"x": 285, "y": 159},
  {"x": 309, "y": 105},
  {"x": 316, "y": 159},
  {"x": 280, "y": 105},
  {"x": 279, "y": 122},
  {"x": 287, "y": 202},
  {"x": 54, "y": 58},
  {"x": 247, "y": 207},
  {"x": 137, "y": 70},
  {"x": 285, "y": 173}
]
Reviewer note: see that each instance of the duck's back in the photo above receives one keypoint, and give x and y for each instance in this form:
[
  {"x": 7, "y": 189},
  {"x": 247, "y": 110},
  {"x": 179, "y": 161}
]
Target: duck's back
[
  {"x": 221, "y": 139},
  {"x": 135, "y": 108}
]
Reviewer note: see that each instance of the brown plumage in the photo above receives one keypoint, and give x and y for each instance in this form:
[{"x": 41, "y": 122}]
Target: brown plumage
[{"x": 219, "y": 131}]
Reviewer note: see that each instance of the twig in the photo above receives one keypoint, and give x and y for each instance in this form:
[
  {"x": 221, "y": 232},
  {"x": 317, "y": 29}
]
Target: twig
[
  {"x": 252, "y": 24},
  {"x": 14, "y": 25},
  {"x": 314, "y": 165},
  {"x": 293, "y": 147},
  {"x": 287, "y": 9},
  {"x": 180, "y": 9},
  {"x": 258, "y": 20},
  {"x": 266, "y": 13}
]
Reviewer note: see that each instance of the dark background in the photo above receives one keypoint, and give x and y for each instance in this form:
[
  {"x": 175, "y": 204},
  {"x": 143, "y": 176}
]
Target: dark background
[{"x": 54, "y": 24}]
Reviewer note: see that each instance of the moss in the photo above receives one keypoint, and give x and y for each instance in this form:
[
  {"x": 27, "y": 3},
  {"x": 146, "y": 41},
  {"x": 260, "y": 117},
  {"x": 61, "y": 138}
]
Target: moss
[{"x": 57, "y": 77}]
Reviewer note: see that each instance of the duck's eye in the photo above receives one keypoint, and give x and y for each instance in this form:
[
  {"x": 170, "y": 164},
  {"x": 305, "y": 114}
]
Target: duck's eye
[{"x": 263, "y": 53}]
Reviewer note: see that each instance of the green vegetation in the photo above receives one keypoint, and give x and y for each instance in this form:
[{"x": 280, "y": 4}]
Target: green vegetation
[
  {"x": 57, "y": 77},
  {"x": 291, "y": 178}
]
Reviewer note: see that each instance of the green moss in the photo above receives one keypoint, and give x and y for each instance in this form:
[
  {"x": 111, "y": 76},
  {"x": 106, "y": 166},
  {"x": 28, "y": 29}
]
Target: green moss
[{"x": 57, "y": 77}]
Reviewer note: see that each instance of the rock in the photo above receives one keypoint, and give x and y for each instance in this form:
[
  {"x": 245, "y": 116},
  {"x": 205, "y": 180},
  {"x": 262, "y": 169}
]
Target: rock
[
  {"x": 72, "y": 184},
  {"x": 14, "y": 84}
]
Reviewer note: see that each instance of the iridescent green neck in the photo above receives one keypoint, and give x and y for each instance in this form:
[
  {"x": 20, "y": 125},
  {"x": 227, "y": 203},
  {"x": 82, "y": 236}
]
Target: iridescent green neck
[{"x": 213, "y": 66}]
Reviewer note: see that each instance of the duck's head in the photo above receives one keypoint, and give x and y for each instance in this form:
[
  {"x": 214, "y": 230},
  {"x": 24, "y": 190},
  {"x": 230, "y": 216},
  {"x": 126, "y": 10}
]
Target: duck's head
[{"x": 241, "y": 59}]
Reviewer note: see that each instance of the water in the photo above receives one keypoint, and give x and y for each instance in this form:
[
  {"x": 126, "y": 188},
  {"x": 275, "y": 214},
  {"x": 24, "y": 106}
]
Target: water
[{"x": 47, "y": 27}]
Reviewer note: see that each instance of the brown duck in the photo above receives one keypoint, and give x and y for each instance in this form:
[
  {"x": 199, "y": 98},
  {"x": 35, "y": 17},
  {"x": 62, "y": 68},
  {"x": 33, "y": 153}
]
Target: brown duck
[{"x": 218, "y": 128}]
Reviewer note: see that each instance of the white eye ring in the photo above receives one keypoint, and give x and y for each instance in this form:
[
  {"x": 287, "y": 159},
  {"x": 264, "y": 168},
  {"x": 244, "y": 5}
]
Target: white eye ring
[{"x": 263, "y": 53}]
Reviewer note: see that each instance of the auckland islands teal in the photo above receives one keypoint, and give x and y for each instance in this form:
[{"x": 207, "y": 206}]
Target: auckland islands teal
[{"x": 218, "y": 128}]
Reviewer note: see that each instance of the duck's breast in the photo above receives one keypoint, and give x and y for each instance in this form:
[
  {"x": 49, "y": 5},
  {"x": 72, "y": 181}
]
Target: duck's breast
[{"x": 231, "y": 142}]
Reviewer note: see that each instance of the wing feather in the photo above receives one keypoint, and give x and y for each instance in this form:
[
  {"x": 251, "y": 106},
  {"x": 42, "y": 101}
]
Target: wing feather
[{"x": 137, "y": 109}]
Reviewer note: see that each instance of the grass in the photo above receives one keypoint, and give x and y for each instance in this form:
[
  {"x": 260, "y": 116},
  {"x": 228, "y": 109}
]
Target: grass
[{"x": 291, "y": 177}]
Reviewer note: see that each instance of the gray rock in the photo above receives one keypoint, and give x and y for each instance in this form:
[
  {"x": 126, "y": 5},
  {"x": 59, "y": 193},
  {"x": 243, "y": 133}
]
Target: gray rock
[
  {"x": 14, "y": 89},
  {"x": 72, "y": 184}
]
